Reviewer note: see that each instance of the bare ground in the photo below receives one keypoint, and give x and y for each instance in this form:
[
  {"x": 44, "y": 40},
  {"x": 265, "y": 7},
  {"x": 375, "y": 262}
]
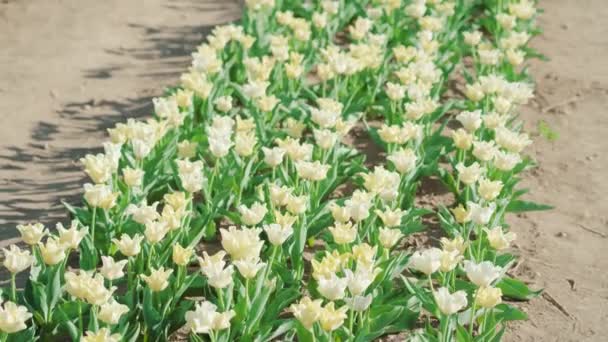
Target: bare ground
[{"x": 71, "y": 68}]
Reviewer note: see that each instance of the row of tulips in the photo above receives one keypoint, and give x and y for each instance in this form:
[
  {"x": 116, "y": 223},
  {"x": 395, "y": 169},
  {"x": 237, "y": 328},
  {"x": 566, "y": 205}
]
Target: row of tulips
[{"x": 243, "y": 211}]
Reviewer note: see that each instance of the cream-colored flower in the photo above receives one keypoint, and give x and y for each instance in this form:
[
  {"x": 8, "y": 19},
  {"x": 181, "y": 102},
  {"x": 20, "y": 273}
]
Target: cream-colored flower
[
  {"x": 449, "y": 260},
  {"x": 456, "y": 244},
  {"x": 113, "y": 154},
  {"x": 511, "y": 141},
  {"x": 32, "y": 233},
  {"x": 319, "y": 19},
  {"x": 297, "y": 204},
  {"x": 359, "y": 205},
  {"x": 77, "y": 284},
  {"x": 158, "y": 279},
  {"x": 181, "y": 256},
  {"x": 16, "y": 260},
  {"x": 469, "y": 174},
  {"x": 339, "y": 214},
  {"x": 13, "y": 317},
  {"x": 471, "y": 121},
  {"x": 285, "y": 220},
  {"x": 186, "y": 149},
  {"x": 330, "y": 264},
  {"x": 404, "y": 160},
  {"x": 313, "y": 171},
  {"x": 296, "y": 151},
  {"x": 506, "y": 161},
  {"x": 484, "y": 150},
  {"x": 191, "y": 175},
  {"x": 481, "y": 214},
  {"x": 255, "y": 89},
  {"x": 462, "y": 139},
  {"x": 223, "y": 104},
  {"x": 427, "y": 261},
  {"x": 395, "y": 91},
  {"x": 474, "y": 92},
  {"x": 249, "y": 267},
  {"x": 279, "y": 195},
  {"x": 143, "y": 214},
  {"x": 101, "y": 335},
  {"x": 111, "y": 312},
  {"x": 472, "y": 38},
  {"x": 97, "y": 293},
  {"x": 252, "y": 215},
  {"x": 325, "y": 138},
  {"x": 498, "y": 239},
  {"x": 364, "y": 254},
  {"x": 382, "y": 182},
  {"x": 358, "y": 281},
  {"x": 489, "y": 190},
  {"x": 204, "y": 318},
  {"x": 171, "y": 218},
  {"x": 98, "y": 167},
  {"x": 155, "y": 231},
  {"x": 389, "y": 237},
  {"x": 133, "y": 177},
  {"x": 391, "y": 217},
  {"x": 198, "y": 83},
  {"x": 184, "y": 98},
  {"x": 482, "y": 274},
  {"x": 112, "y": 269},
  {"x": 242, "y": 243},
  {"x": 53, "y": 252},
  {"x": 141, "y": 148},
  {"x": 213, "y": 268},
  {"x": 523, "y": 9},
  {"x": 488, "y": 297},
  {"x": 450, "y": 303},
  {"x": 332, "y": 318},
  {"x": 294, "y": 128},
  {"x": 307, "y": 311},
  {"x": 277, "y": 233},
  {"x": 266, "y": 103},
  {"x": 461, "y": 214},
  {"x": 100, "y": 196},
  {"x": 273, "y": 156},
  {"x": 359, "y": 303},
  {"x": 343, "y": 233},
  {"x": 129, "y": 246},
  {"x": 244, "y": 143},
  {"x": 177, "y": 200},
  {"x": 327, "y": 114}
]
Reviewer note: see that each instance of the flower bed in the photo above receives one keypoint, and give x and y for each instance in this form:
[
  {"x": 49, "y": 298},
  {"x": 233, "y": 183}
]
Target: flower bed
[{"x": 255, "y": 150}]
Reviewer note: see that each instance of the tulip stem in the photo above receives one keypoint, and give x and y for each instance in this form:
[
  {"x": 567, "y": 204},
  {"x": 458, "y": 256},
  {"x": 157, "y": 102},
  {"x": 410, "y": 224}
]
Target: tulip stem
[
  {"x": 446, "y": 329},
  {"x": 13, "y": 288},
  {"x": 247, "y": 292},
  {"x": 350, "y": 321},
  {"x": 220, "y": 298},
  {"x": 472, "y": 317},
  {"x": 80, "y": 327},
  {"x": 93, "y": 225}
]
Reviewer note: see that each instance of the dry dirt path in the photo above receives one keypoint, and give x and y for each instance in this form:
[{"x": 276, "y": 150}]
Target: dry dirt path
[
  {"x": 564, "y": 250},
  {"x": 71, "y": 68}
]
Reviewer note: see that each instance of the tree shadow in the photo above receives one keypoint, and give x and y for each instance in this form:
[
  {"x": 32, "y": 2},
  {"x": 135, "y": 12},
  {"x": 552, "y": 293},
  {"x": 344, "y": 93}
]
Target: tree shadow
[{"x": 56, "y": 143}]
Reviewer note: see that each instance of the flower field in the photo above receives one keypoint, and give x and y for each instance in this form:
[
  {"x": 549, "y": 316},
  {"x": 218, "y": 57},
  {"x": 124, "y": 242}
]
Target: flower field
[{"x": 243, "y": 211}]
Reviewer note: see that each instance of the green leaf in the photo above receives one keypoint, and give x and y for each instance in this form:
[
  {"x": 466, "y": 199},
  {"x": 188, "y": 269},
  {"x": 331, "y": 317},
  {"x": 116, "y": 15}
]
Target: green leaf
[
  {"x": 516, "y": 289},
  {"x": 518, "y": 206},
  {"x": 506, "y": 312}
]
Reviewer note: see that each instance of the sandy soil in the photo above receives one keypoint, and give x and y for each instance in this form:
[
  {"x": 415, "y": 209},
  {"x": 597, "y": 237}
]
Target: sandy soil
[{"x": 71, "y": 68}]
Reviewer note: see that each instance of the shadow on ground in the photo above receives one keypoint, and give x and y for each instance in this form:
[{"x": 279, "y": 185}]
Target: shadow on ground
[{"x": 78, "y": 127}]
